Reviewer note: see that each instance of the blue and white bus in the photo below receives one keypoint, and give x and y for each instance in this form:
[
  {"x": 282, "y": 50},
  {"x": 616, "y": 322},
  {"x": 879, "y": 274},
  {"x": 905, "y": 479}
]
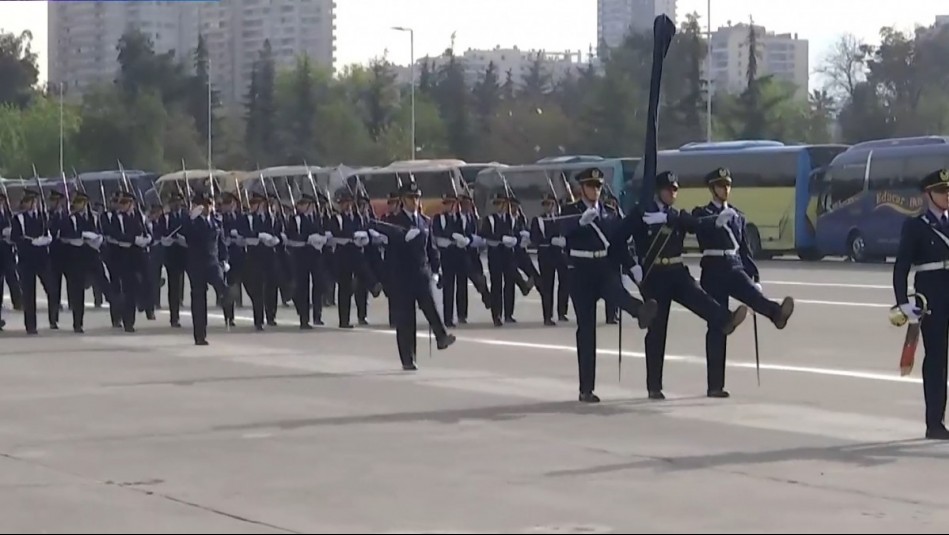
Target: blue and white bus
[
  {"x": 866, "y": 193},
  {"x": 772, "y": 186}
]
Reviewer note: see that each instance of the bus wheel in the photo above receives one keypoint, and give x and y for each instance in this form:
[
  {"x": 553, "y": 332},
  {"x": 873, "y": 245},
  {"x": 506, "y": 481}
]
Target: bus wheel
[
  {"x": 856, "y": 247},
  {"x": 810, "y": 254},
  {"x": 754, "y": 243}
]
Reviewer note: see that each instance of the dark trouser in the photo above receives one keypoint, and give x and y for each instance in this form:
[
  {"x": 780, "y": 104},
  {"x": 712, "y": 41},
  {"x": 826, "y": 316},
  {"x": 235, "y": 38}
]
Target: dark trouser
[
  {"x": 552, "y": 266},
  {"x": 285, "y": 276},
  {"x": 176, "y": 287},
  {"x": 361, "y": 298},
  {"x": 29, "y": 269},
  {"x": 935, "y": 330},
  {"x": 54, "y": 280},
  {"x": 454, "y": 283},
  {"x": 8, "y": 257},
  {"x": 260, "y": 284},
  {"x": 407, "y": 295},
  {"x": 200, "y": 277},
  {"x": 77, "y": 272},
  {"x": 350, "y": 265},
  {"x": 131, "y": 266},
  {"x": 115, "y": 285},
  {"x": 502, "y": 267},
  {"x": 308, "y": 269},
  {"x": 721, "y": 283},
  {"x": 591, "y": 280},
  {"x": 665, "y": 285}
]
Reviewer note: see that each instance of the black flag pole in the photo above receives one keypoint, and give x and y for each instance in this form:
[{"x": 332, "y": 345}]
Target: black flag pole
[{"x": 663, "y": 30}]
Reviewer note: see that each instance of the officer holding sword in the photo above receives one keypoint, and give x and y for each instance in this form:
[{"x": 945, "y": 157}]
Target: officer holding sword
[
  {"x": 594, "y": 254},
  {"x": 207, "y": 262},
  {"x": 924, "y": 246},
  {"x": 728, "y": 270}
]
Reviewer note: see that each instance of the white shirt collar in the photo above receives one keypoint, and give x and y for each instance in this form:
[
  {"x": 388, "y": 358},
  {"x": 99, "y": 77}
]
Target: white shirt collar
[
  {"x": 718, "y": 204},
  {"x": 938, "y": 214}
]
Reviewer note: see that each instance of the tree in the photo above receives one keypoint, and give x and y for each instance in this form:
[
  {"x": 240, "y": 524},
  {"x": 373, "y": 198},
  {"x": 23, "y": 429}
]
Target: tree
[
  {"x": 19, "y": 71},
  {"x": 30, "y": 136},
  {"x": 199, "y": 89},
  {"x": 261, "y": 109},
  {"x": 486, "y": 97},
  {"x": 130, "y": 129},
  {"x": 537, "y": 82},
  {"x": 296, "y": 107},
  {"x": 380, "y": 98},
  {"x": 843, "y": 67},
  {"x": 454, "y": 103},
  {"x": 684, "y": 89}
]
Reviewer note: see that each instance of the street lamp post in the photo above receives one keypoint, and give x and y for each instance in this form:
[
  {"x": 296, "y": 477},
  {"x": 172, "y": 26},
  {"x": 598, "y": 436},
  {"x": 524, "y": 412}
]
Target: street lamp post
[
  {"x": 708, "y": 75},
  {"x": 412, "y": 75}
]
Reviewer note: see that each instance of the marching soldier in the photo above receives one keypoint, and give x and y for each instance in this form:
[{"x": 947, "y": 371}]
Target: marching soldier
[
  {"x": 77, "y": 233},
  {"x": 551, "y": 261},
  {"x": 206, "y": 263},
  {"x": 350, "y": 237},
  {"x": 7, "y": 255},
  {"x": 473, "y": 266},
  {"x": 130, "y": 248},
  {"x": 452, "y": 247},
  {"x": 924, "y": 247},
  {"x": 501, "y": 238},
  {"x": 659, "y": 231},
  {"x": 729, "y": 271},
  {"x": 168, "y": 229},
  {"x": 112, "y": 254},
  {"x": 371, "y": 254},
  {"x": 612, "y": 311},
  {"x": 260, "y": 235},
  {"x": 232, "y": 221},
  {"x": 53, "y": 281},
  {"x": 305, "y": 241},
  {"x": 594, "y": 262},
  {"x": 31, "y": 234},
  {"x": 393, "y": 207},
  {"x": 413, "y": 255}
]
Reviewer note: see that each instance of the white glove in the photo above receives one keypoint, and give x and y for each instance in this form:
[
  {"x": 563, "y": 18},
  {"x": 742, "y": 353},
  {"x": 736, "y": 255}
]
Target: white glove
[
  {"x": 361, "y": 241},
  {"x": 725, "y": 216},
  {"x": 457, "y": 237},
  {"x": 316, "y": 239},
  {"x": 509, "y": 241},
  {"x": 181, "y": 240},
  {"x": 6, "y": 232},
  {"x": 655, "y": 218},
  {"x": 234, "y": 233},
  {"x": 273, "y": 241},
  {"x": 628, "y": 283},
  {"x": 226, "y": 266},
  {"x": 329, "y": 235},
  {"x": 283, "y": 236},
  {"x": 361, "y": 235},
  {"x": 412, "y": 234},
  {"x": 558, "y": 241},
  {"x": 637, "y": 273},
  {"x": 525, "y": 241},
  {"x": 758, "y": 286},
  {"x": 88, "y": 235},
  {"x": 912, "y": 312},
  {"x": 265, "y": 237},
  {"x": 196, "y": 212},
  {"x": 477, "y": 242},
  {"x": 142, "y": 241},
  {"x": 525, "y": 235},
  {"x": 39, "y": 242},
  {"x": 462, "y": 242},
  {"x": 96, "y": 243},
  {"x": 167, "y": 241},
  {"x": 588, "y": 216}
]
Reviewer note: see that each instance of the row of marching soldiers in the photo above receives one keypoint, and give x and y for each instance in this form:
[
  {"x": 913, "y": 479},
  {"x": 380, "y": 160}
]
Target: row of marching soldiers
[{"x": 120, "y": 252}]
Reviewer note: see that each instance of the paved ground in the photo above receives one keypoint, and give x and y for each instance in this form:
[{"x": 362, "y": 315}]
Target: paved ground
[{"x": 311, "y": 432}]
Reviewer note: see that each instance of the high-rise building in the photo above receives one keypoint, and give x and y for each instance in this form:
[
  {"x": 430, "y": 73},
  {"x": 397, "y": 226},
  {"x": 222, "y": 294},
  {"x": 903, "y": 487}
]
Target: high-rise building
[
  {"x": 616, "y": 18},
  {"x": 235, "y": 31},
  {"x": 83, "y": 37},
  {"x": 554, "y": 65},
  {"x": 783, "y": 56}
]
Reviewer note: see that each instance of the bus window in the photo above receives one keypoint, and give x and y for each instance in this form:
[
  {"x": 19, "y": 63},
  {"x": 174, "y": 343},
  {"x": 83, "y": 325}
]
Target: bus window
[
  {"x": 885, "y": 174},
  {"x": 845, "y": 183},
  {"x": 919, "y": 166}
]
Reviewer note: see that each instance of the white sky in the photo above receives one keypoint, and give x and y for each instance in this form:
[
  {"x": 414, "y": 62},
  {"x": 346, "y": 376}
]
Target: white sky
[{"x": 363, "y": 25}]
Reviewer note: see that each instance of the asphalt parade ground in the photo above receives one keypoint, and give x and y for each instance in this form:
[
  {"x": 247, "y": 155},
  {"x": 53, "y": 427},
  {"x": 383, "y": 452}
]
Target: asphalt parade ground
[{"x": 319, "y": 431}]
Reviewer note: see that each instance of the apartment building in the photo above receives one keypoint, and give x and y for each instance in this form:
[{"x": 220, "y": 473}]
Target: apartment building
[
  {"x": 616, "y": 18},
  {"x": 784, "y": 56}
]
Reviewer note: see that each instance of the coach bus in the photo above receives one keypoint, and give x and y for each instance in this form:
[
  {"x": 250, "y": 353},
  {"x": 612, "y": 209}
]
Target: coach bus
[
  {"x": 530, "y": 183},
  {"x": 772, "y": 187},
  {"x": 435, "y": 178},
  {"x": 860, "y": 202}
]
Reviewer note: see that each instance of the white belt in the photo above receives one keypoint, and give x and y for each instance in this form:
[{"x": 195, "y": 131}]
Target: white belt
[
  {"x": 253, "y": 241},
  {"x": 668, "y": 261},
  {"x": 75, "y": 242},
  {"x": 588, "y": 254},
  {"x": 291, "y": 243},
  {"x": 111, "y": 240},
  {"x": 342, "y": 241},
  {"x": 720, "y": 252},
  {"x": 443, "y": 242},
  {"x": 932, "y": 266}
]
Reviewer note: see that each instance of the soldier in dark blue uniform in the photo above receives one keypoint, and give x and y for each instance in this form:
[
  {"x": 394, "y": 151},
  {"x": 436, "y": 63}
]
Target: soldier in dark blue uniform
[
  {"x": 53, "y": 281},
  {"x": 31, "y": 234},
  {"x": 729, "y": 271},
  {"x": 551, "y": 261},
  {"x": 393, "y": 207},
  {"x": 595, "y": 257},
  {"x": 659, "y": 231},
  {"x": 168, "y": 230},
  {"x": 351, "y": 235},
  {"x": 305, "y": 241},
  {"x": 132, "y": 239},
  {"x": 412, "y": 254},
  {"x": 497, "y": 229},
  {"x": 233, "y": 221},
  {"x": 452, "y": 250},
  {"x": 924, "y": 246},
  {"x": 260, "y": 234},
  {"x": 76, "y": 231},
  {"x": 207, "y": 262}
]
